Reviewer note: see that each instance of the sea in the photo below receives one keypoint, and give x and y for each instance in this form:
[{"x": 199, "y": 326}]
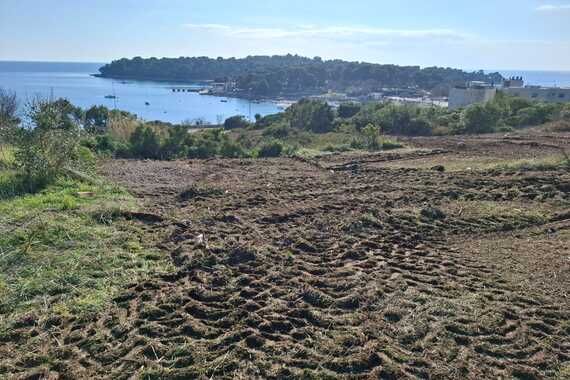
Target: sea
[
  {"x": 148, "y": 100},
  {"x": 538, "y": 78},
  {"x": 156, "y": 100}
]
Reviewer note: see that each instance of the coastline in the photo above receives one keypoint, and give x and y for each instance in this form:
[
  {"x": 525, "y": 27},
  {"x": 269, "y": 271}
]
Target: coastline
[{"x": 206, "y": 82}]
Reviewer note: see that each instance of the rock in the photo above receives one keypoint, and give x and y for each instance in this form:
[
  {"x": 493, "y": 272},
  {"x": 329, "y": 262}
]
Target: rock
[{"x": 438, "y": 168}]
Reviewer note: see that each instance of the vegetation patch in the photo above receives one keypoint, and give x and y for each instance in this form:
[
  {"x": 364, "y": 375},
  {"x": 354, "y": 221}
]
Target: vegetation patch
[{"x": 55, "y": 260}]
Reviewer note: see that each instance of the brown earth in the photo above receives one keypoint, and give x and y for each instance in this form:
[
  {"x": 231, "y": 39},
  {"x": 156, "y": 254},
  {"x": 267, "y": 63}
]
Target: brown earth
[{"x": 357, "y": 266}]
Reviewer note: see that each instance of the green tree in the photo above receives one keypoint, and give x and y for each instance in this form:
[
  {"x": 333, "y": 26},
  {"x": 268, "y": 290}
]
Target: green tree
[
  {"x": 270, "y": 149},
  {"x": 312, "y": 115},
  {"x": 236, "y": 122},
  {"x": 177, "y": 143},
  {"x": 145, "y": 143},
  {"x": 49, "y": 143},
  {"x": 96, "y": 119},
  {"x": 55, "y": 114},
  {"x": 348, "y": 110},
  {"x": 372, "y": 135},
  {"x": 230, "y": 149},
  {"x": 480, "y": 118}
]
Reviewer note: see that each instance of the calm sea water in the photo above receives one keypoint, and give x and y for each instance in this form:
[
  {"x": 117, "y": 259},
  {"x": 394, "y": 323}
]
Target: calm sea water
[
  {"x": 539, "y": 78},
  {"x": 74, "y": 82}
]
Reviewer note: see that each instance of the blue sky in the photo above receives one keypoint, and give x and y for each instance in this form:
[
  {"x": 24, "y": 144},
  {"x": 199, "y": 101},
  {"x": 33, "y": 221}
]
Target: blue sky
[{"x": 501, "y": 34}]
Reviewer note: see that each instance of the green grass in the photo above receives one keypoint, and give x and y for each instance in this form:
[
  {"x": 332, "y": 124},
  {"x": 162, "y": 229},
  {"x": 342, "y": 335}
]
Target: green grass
[
  {"x": 539, "y": 164},
  {"x": 67, "y": 254}
]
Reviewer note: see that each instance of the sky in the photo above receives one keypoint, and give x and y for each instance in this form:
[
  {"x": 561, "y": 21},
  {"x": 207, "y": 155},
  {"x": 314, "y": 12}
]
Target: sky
[{"x": 468, "y": 34}]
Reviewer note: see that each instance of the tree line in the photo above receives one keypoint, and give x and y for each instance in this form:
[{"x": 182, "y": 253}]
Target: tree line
[{"x": 293, "y": 74}]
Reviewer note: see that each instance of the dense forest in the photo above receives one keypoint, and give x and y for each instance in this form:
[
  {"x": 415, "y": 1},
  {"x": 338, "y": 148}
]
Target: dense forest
[{"x": 294, "y": 75}]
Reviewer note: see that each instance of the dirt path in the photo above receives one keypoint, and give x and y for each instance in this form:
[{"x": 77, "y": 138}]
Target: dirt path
[{"x": 343, "y": 268}]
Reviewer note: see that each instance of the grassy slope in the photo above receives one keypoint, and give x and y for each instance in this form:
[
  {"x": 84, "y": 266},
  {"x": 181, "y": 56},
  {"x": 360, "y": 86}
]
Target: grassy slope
[{"x": 66, "y": 254}]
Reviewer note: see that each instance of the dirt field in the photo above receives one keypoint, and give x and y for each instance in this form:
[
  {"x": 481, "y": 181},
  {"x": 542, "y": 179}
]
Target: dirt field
[{"x": 360, "y": 266}]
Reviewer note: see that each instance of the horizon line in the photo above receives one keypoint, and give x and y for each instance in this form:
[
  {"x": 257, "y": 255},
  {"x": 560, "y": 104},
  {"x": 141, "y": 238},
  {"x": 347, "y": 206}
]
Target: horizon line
[{"x": 490, "y": 70}]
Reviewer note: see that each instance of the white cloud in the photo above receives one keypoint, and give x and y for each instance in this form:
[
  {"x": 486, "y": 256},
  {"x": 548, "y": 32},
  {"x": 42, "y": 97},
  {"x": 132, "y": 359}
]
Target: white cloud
[
  {"x": 553, "y": 8},
  {"x": 337, "y": 33},
  {"x": 425, "y": 47}
]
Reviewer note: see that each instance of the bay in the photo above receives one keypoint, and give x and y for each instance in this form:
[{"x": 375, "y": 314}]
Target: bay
[{"x": 74, "y": 81}]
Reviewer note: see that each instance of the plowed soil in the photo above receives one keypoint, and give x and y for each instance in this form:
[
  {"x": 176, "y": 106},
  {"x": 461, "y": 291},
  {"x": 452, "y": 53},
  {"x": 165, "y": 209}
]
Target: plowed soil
[{"x": 356, "y": 266}]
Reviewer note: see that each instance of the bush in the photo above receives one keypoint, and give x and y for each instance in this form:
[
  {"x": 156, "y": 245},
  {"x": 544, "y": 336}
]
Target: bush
[
  {"x": 49, "y": 145},
  {"x": 565, "y": 114},
  {"x": 8, "y": 109},
  {"x": 390, "y": 144},
  {"x": 230, "y": 149},
  {"x": 280, "y": 131},
  {"x": 145, "y": 143},
  {"x": 479, "y": 118},
  {"x": 235, "y": 122},
  {"x": 270, "y": 149},
  {"x": 96, "y": 119},
  {"x": 177, "y": 142},
  {"x": 58, "y": 114},
  {"x": 120, "y": 127},
  {"x": 203, "y": 148},
  {"x": 348, "y": 110},
  {"x": 269, "y": 120},
  {"x": 311, "y": 115},
  {"x": 372, "y": 137}
]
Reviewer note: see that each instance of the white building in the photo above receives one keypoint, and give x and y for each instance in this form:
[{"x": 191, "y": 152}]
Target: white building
[
  {"x": 480, "y": 92},
  {"x": 473, "y": 92},
  {"x": 545, "y": 94}
]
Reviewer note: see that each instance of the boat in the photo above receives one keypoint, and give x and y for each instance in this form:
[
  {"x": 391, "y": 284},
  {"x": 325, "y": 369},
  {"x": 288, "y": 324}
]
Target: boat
[
  {"x": 224, "y": 100},
  {"x": 146, "y": 103},
  {"x": 110, "y": 97}
]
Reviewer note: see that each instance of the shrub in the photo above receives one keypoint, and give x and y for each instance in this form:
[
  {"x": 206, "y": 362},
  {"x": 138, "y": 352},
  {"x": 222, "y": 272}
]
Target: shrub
[
  {"x": 371, "y": 135},
  {"x": 177, "y": 142},
  {"x": 337, "y": 148},
  {"x": 8, "y": 109},
  {"x": 268, "y": 120},
  {"x": 58, "y": 114},
  {"x": 390, "y": 144},
  {"x": 231, "y": 149},
  {"x": 348, "y": 110},
  {"x": 49, "y": 145},
  {"x": 96, "y": 119},
  {"x": 397, "y": 119},
  {"x": 311, "y": 115},
  {"x": 479, "y": 118},
  {"x": 270, "y": 149},
  {"x": 280, "y": 130},
  {"x": 235, "y": 122},
  {"x": 121, "y": 127},
  {"x": 203, "y": 148},
  {"x": 565, "y": 114},
  {"x": 145, "y": 143},
  {"x": 533, "y": 115}
]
